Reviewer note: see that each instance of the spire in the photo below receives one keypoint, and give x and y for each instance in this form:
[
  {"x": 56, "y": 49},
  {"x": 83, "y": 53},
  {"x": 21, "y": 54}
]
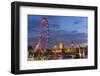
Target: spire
[{"x": 72, "y": 42}]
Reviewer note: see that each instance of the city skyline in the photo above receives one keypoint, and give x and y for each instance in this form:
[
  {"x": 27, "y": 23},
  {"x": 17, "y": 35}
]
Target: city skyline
[{"x": 61, "y": 28}]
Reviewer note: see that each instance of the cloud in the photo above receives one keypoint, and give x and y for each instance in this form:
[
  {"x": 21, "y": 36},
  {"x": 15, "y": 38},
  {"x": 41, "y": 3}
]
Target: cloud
[
  {"x": 77, "y": 21},
  {"x": 65, "y": 36},
  {"x": 56, "y": 26}
]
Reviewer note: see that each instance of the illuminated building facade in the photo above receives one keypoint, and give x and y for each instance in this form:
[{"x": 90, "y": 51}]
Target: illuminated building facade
[
  {"x": 72, "y": 50},
  {"x": 61, "y": 46}
]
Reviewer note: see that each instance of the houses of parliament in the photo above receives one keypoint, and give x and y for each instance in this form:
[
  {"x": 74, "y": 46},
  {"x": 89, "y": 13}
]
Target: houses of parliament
[{"x": 76, "y": 51}]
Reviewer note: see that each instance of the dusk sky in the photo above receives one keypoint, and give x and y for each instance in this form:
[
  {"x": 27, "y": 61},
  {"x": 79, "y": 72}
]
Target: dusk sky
[{"x": 61, "y": 29}]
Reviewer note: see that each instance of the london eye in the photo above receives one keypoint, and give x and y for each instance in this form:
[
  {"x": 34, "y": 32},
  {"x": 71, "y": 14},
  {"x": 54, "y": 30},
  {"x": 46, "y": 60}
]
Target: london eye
[{"x": 39, "y": 45}]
